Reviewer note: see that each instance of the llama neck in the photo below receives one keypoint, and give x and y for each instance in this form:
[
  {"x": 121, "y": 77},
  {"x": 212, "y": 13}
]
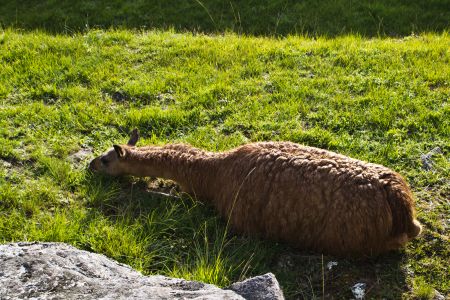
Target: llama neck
[{"x": 193, "y": 169}]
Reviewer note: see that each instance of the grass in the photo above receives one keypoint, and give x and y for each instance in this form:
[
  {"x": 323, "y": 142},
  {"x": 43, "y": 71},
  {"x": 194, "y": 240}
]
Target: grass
[
  {"x": 383, "y": 100},
  {"x": 267, "y": 17}
]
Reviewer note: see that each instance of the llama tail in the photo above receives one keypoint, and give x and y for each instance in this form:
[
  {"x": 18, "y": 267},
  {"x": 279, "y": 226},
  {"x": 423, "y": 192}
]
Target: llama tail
[
  {"x": 415, "y": 229},
  {"x": 401, "y": 203},
  {"x": 405, "y": 226}
]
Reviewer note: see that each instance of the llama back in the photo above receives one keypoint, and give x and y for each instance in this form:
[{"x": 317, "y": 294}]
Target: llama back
[{"x": 316, "y": 199}]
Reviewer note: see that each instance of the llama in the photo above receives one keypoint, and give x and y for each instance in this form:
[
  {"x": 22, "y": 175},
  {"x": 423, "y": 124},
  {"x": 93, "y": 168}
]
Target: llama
[{"x": 310, "y": 198}]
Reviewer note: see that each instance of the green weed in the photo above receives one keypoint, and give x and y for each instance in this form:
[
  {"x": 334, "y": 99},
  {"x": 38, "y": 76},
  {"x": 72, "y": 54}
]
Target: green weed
[{"x": 422, "y": 290}]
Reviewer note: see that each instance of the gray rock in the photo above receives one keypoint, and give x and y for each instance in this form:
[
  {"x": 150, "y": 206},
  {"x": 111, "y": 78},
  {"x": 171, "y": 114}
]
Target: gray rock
[
  {"x": 81, "y": 155},
  {"x": 427, "y": 159},
  {"x": 359, "y": 290},
  {"x": 60, "y": 271},
  {"x": 263, "y": 287},
  {"x": 438, "y": 296},
  {"x": 5, "y": 164}
]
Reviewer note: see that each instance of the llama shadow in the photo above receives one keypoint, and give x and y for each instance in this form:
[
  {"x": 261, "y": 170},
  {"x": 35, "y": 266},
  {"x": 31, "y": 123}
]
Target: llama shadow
[
  {"x": 182, "y": 229},
  {"x": 266, "y": 18},
  {"x": 327, "y": 277},
  {"x": 188, "y": 227}
]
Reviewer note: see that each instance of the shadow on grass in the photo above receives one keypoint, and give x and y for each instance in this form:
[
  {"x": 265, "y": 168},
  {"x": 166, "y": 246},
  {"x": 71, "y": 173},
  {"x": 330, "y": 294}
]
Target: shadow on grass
[
  {"x": 188, "y": 240},
  {"x": 267, "y": 17},
  {"x": 182, "y": 237},
  {"x": 311, "y": 276}
]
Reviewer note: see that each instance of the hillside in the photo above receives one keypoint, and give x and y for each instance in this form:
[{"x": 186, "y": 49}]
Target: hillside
[{"x": 65, "y": 95}]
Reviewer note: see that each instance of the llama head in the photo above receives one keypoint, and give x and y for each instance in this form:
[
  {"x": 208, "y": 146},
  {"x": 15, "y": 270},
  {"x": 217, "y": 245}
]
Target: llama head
[{"x": 113, "y": 161}]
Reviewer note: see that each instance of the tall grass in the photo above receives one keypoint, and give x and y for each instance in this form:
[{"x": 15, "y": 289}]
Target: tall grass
[{"x": 264, "y": 17}]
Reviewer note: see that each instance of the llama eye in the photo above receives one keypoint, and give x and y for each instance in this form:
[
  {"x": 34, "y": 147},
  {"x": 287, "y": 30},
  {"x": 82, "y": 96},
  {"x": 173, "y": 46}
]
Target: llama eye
[{"x": 104, "y": 160}]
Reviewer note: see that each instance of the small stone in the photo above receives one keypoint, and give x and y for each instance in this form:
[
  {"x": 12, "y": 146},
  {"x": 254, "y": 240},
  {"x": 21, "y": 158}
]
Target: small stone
[
  {"x": 6, "y": 164},
  {"x": 263, "y": 287},
  {"x": 81, "y": 155},
  {"x": 438, "y": 296},
  {"x": 331, "y": 264},
  {"x": 359, "y": 290},
  {"x": 427, "y": 159}
]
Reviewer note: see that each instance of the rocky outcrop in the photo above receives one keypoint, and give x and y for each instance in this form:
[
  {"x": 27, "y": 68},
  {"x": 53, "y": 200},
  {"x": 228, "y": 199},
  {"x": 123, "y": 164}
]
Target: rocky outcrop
[{"x": 60, "y": 271}]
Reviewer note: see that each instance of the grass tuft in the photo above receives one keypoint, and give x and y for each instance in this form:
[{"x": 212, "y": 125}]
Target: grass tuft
[{"x": 422, "y": 290}]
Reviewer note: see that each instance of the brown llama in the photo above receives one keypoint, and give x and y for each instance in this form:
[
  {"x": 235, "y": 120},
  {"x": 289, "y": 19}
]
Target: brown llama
[{"x": 308, "y": 197}]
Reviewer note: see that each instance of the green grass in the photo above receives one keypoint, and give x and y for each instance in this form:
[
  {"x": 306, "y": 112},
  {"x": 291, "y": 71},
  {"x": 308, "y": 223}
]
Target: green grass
[
  {"x": 266, "y": 17},
  {"x": 383, "y": 100}
]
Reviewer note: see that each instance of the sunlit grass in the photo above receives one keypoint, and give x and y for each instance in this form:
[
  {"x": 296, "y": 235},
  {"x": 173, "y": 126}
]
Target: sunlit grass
[{"x": 382, "y": 100}]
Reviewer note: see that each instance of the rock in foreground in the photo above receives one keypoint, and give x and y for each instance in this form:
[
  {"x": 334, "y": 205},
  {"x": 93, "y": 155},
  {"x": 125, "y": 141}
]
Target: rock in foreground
[{"x": 60, "y": 271}]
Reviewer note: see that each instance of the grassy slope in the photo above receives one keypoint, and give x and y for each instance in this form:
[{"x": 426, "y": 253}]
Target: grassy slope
[
  {"x": 326, "y": 17},
  {"x": 381, "y": 100}
]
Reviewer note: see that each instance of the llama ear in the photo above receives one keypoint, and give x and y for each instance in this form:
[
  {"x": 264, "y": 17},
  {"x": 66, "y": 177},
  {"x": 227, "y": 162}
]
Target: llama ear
[
  {"x": 120, "y": 151},
  {"x": 134, "y": 137}
]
